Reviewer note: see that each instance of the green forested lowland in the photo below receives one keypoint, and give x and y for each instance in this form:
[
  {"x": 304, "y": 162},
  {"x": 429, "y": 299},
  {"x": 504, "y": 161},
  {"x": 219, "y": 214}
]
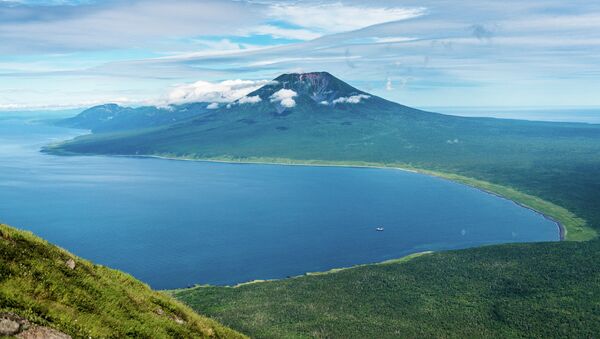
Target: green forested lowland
[{"x": 505, "y": 291}]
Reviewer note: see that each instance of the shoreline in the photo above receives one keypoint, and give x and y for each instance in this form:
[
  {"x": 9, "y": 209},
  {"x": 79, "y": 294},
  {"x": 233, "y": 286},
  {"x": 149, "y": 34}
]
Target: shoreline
[
  {"x": 561, "y": 227},
  {"x": 402, "y": 259},
  {"x": 480, "y": 185},
  {"x": 484, "y": 186}
]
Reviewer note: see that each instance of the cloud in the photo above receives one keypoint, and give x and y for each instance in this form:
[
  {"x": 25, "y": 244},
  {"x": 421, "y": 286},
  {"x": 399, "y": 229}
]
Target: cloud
[
  {"x": 392, "y": 39},
  {"x": 481, "y": 32},
  {"x": 221, "y": 45},
  {"x": 310, "y": 21},
  {"x": 249, "y": 100},
  {"x": 388, "y": 85},
  {"x": 548, "y": 49},
  {"x": 338, "y": 17},
  {"x": 354, "y": 99},
  {"x": 284, "y": 97},
  {"x": 64, "y": 26},
  {"x": 283, "y": 33},
  {"x": 118, "y": 24},
  {"x": 221, "y": 92}
]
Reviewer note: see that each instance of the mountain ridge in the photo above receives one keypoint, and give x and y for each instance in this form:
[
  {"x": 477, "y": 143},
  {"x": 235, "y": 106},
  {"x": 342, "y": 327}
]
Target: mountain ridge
[
  {"x": 113, "y": 117},
  {"x": 311, "y": 93},
  {"x": 316, "y": 91},
  {"x": 350, "y": 125},
  {"x": 319, "y": 86}
]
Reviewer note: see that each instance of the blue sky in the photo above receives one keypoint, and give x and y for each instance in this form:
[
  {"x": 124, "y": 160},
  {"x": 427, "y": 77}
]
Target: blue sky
[{"x": 422, "y": 53}]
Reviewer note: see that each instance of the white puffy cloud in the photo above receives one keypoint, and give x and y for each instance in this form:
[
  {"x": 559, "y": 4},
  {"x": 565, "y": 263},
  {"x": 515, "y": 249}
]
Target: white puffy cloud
[
  {"x": 285, "y": 97},
  {"x": 249, "y": 100},
  {"x": 289, "y": 103},
  {"x": 354, "y": 99},
  {"x": 221, "y": 92},
  {"x": 213, "y": 105}
]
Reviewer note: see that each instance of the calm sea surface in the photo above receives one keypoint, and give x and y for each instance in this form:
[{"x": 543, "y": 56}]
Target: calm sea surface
[
  {"x": 589, "y": 115},
  {"x": 177, "y": 223}
]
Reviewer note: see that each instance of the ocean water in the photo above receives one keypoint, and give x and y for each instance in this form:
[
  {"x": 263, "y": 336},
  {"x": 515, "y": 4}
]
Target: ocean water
[
  {"x": 177, "y": 223},
  {"x": 590, "y": 115}
]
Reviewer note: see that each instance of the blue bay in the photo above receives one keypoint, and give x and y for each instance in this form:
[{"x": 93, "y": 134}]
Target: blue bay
[{"x": 177, "y": 223}]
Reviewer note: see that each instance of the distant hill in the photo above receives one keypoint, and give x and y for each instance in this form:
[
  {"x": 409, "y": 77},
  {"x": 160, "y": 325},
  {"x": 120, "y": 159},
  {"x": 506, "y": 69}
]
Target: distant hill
[
  {"x": 113, "y": 117},
  {"x": 45, "y": 290}
]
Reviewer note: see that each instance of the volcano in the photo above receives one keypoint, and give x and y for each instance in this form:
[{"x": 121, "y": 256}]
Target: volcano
[
  {"x": 310, "y": 93},
  {"x": 301, "y": 95},
  {"x": 312, "y": 116}
]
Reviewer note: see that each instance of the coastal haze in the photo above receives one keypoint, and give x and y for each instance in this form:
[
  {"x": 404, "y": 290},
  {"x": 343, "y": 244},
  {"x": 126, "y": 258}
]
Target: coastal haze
[
  {"x": 178, "y": 223},
  {"x": 589, "y": 115}
]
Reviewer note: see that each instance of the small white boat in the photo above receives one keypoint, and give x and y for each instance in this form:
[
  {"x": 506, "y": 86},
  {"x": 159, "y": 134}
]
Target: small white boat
[{"x": 379, "y": 229}]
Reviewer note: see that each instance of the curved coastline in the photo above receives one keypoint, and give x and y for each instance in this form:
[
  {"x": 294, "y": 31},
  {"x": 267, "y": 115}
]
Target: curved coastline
[
  {"x": 562, "y": 228},
  {"x": 570, "y": 226}
]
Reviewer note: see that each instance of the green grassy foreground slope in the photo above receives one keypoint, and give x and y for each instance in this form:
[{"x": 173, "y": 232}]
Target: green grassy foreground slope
[{"x": 50, "y": 287}]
